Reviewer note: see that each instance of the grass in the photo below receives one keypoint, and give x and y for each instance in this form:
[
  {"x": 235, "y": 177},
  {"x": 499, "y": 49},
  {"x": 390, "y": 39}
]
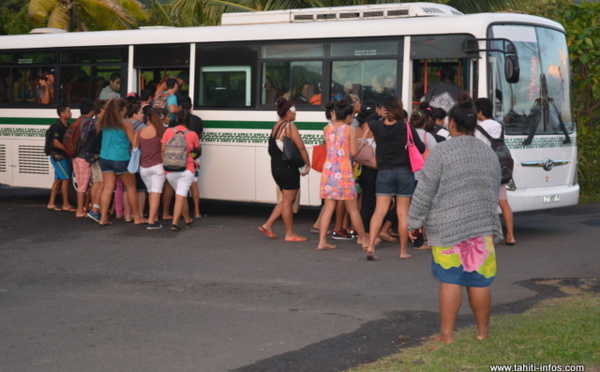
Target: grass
[{"x": 560, "y": 331}]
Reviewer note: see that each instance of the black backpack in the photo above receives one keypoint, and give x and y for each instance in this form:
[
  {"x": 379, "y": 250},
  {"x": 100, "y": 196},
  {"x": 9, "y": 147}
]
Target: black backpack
[
  {"x": 92, "y": 143},
  {"x": 49, "y": 142},
  {"x": 504, "y": 157},
  {"x": 434, "y": 132}
]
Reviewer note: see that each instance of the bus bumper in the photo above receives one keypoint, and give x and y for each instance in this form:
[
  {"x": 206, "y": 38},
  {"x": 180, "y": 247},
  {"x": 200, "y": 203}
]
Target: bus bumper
[{"x": 543, "y": 198}]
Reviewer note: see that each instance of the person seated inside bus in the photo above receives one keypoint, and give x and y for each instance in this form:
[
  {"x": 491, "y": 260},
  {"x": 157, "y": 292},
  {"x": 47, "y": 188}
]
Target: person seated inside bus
[
  {"x": 77, "y": 86},
  {"x": 317, "y": 97},
  {"x": 22, "y": 89},
  {"x": 306, "y": 92},
  {"x": 348, "y": 88},
  {"x": 270, "y": 93},
  {"x": 45, "y": 88},
  {"x": 389, "y": 85},
  {"x": 5, "y": 87},
  {"x": 375, "y": 92},
  {"x": 112, "y": 89},
  {"x": 443, "y": 93}
]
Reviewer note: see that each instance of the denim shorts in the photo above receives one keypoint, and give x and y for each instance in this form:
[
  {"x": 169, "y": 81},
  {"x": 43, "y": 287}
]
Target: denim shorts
[
  {"x": 395, "y": 182},
  {"x": 117, "y": 166}
]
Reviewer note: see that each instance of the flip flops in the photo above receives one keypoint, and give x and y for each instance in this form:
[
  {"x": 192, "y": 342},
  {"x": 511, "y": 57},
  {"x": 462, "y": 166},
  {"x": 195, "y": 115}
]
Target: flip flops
[{"x": 267, "y": 233}]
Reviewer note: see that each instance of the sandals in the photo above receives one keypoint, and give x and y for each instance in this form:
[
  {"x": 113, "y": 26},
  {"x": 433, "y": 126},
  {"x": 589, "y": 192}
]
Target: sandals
[
  {"x": 175, "y": 228},
  {"x": 268, "y": 233}
]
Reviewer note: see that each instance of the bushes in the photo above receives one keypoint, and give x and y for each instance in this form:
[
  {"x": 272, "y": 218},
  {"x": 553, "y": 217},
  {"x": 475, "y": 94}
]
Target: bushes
[{"x": 581, "y": 23}]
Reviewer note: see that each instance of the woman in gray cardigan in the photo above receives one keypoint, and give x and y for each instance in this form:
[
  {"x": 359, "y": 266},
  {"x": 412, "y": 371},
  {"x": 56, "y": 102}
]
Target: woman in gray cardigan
[{"x": 456, "y": 200}]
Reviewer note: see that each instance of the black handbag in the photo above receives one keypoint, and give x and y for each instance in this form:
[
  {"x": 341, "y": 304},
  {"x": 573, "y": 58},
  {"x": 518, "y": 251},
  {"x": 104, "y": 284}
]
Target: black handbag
[{"x": 291, "y": 153}]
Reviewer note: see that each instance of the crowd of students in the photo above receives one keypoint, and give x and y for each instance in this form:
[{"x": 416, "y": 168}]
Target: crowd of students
[
  {"x": 449, "y": 197},
  {"x": 382, "y": 192},
  {"x": 99, "y": 145}
]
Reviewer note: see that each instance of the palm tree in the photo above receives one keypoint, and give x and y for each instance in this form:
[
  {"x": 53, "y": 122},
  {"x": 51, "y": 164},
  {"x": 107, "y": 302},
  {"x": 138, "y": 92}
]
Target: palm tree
[{"x": 82, "y": 14}]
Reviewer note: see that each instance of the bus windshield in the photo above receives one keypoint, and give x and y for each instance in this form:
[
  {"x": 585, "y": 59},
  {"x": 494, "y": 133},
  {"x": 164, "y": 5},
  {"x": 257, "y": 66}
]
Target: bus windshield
[{"x": 539, "y": 103}]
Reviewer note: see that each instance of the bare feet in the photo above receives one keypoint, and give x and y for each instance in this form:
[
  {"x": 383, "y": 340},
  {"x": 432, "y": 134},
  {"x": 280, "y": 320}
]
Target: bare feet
[
  {"x": 326, "y": 246},
  {"x": 141, "y": 221},
  {"x": 425, "y": 246},
  {"x": 371, "y": 255},
  {"x": 444, "y": 338},
  {"x": 405, "y": 257},
  {"x": 167, "y": 217},
  {"x": 295, "y": 238},
  {"x": 482, "y": 334}
]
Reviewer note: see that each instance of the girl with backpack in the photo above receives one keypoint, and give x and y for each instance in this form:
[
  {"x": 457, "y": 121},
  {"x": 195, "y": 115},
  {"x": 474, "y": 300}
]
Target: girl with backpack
[{"x": 178, "y": 143}]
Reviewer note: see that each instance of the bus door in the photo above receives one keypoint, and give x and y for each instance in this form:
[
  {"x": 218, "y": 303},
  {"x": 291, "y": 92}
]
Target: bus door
[{"x": 441, "y": 69}]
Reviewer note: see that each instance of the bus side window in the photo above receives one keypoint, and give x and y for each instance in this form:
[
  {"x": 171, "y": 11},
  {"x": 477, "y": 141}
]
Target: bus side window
[
  {"x": 297, "y": 81},
  {"x": 372, "y": 79}
]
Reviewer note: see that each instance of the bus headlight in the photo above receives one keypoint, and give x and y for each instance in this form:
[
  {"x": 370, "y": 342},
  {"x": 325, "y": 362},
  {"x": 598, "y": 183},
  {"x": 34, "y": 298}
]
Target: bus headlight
[{"x": 510, "y": 186}]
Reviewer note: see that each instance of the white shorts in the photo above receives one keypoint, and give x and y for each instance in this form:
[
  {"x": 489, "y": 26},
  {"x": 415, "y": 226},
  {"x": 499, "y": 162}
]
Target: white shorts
[
  {"x": 153, "y": 177},
  {"x": 181, "y": 181}
]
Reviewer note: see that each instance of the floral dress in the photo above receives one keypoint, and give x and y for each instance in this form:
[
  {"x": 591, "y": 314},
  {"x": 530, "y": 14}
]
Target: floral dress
[
  {"x": 337, "y": 179},
  {"x": 471, "y": 262}
]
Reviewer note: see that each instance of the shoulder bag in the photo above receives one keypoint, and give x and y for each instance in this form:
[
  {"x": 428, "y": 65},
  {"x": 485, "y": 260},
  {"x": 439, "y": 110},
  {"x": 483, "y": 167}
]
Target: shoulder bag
[
  {"x": 134, "y": 161},
  {"x": 416, "y": 159},
  {"x": 319, "y": 154},
  {"x": 290, "y": 151},
  {"x": 366, "y": 154}
]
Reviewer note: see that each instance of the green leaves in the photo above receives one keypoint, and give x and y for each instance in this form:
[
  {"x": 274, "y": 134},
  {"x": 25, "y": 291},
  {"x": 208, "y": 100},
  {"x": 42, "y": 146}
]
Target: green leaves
[
  {"x": 581, "y": 23},
  {"x": 80, "y": 14}
]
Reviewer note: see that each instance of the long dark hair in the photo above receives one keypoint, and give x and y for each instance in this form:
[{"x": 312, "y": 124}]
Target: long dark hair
[
  {"x": 155, "y": 118},
  {"x": 394, "y": 108},
  {"x": 112, "y": 117}
]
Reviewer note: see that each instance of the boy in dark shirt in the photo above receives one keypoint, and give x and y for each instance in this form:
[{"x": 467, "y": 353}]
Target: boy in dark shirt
[{"x": 59, "y": 160}]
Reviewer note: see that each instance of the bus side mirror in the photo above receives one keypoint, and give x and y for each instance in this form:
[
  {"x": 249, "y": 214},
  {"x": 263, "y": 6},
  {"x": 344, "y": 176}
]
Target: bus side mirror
[{"x": 511, "y": 69}]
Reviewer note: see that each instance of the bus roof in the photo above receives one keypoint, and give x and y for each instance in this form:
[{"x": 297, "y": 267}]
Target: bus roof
[
  {"x": 474, "y": 24},
  {"x": 340, "y": 13}
]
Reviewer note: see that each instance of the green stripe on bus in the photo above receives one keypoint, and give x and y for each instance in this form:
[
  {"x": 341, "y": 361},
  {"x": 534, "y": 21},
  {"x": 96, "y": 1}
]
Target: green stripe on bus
[
  {"x": 213, "y": 124},
  {"x": 27, "y": 121}
]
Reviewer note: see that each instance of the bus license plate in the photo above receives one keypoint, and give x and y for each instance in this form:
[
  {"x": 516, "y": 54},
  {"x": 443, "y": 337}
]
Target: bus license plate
[{"x": 551, "y": 198}]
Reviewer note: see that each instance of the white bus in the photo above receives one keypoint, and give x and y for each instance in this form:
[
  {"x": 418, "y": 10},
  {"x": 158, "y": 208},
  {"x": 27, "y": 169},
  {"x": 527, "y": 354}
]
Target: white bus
[{"x": 236, "y": 70}]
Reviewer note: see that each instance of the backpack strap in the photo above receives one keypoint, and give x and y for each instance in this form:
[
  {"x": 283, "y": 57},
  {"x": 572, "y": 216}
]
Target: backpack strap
[{"x": 486, "y": 134}]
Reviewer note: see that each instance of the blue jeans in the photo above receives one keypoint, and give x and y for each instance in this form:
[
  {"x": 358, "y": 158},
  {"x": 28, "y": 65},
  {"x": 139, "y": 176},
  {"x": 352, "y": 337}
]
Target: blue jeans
[{"x": 395, "y": 182}]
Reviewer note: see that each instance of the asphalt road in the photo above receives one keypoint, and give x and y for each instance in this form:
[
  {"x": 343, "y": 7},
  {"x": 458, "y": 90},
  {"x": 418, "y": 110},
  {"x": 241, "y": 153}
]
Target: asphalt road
[{"x": 220, "y": 296}]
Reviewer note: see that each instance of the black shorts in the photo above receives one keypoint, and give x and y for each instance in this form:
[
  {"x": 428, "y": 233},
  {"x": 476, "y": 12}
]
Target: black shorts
[{"x": 286, "y": 176}]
